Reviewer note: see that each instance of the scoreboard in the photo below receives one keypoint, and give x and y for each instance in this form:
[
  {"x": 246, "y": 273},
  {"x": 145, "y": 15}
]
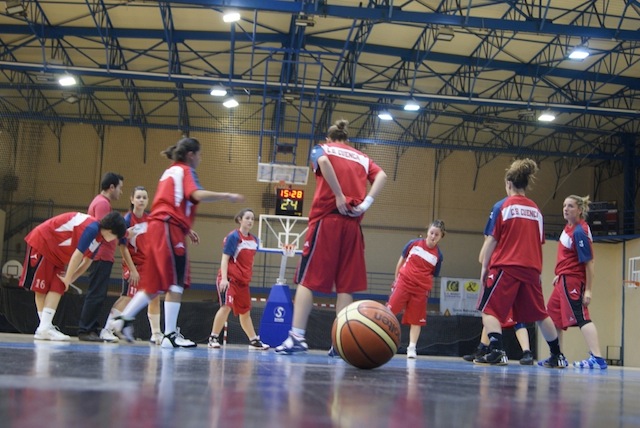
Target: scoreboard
[{"x": 289, "y": 202}]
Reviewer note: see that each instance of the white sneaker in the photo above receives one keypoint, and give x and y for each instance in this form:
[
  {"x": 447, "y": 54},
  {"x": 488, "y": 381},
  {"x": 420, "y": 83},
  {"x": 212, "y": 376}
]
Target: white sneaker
[
  {"x": 411, "y": 353},
  {"x": 156, "y": 338},
  {"x": 176, "y": 340},
  {"x": 108, "y": 336},
  {"x": 51, "y": 333}
]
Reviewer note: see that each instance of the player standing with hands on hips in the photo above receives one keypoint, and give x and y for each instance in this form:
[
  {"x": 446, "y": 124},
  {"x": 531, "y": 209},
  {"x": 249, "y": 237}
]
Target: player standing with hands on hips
[
  {"x": 571, "y": 295},
  {"x": 166, "y": 266},
  {"x": 512, "y": 265},
  {"x": 333, "y": 253}
]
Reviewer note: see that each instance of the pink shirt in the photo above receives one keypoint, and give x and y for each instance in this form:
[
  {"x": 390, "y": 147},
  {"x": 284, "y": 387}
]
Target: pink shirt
[{"x": 100, "y": 207}]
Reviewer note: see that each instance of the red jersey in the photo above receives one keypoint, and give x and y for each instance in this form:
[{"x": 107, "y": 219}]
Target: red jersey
[
  {"x": 421, "y": 264},
  {"x": 138, "y": 233},
  {"x": 173, "y": 196},
  {"x": 516, "y": 223},
  {"x": 241, "y": 251},
  {"x": 353, "y": 169},
  {"x": 57, "y": 238},
  {"x": 575, "y": 248},
  {"x": 98, "y": 208}
]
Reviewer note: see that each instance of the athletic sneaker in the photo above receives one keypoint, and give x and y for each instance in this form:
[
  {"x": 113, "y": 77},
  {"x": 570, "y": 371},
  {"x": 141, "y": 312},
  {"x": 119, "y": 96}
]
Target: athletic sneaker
[
  {"x": 213, "y": 342},
  {"x": 495, "y": 357},
  {"x": 292, "y": 345},
  {"x": 108, "y": 336},
  {"x": 333, "y": 353},
  {"x": 527, "y": 358},
  {"x": 123, "y": 328},
  {"x": 257, "y": 345},
  {"x": 592, "y": 362},
  {"x": 51, "y": 333},
  {"x": 555, "y": 361},
  {"x": 156, "y": 338},
  {"x": 479, "y": 352},
  {"x": 411, "y": 353},
  {"x": 177, "y": 340}
]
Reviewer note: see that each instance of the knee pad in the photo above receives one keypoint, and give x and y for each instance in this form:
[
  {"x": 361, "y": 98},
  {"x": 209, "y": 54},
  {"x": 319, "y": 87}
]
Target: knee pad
[{"x": 176, "y": 289}]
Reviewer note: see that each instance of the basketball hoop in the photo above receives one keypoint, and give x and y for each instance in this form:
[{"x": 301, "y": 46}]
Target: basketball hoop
[
  {"x": 289, "y": 250},
  {"x": 631, "y": 284}
]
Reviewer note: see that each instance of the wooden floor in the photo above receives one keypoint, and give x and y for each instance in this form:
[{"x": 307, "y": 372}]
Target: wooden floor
[{"x": 49, "y": 385}]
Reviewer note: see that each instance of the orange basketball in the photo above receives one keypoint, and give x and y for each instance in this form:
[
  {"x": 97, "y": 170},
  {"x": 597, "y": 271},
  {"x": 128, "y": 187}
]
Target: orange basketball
[{"x": 366, "y": 334}]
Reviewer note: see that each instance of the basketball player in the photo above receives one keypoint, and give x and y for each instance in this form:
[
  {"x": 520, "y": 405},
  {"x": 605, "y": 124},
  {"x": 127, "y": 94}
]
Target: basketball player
[
  {"x": 419, "y": 262},
  {"x": 136, "y": 221},
  {"x": 71, "y": 240},
  {"x": 333, "y": 253},
  {"x": 89, "y": 327},
  {"x": 234, "y": 276},
  {"x": 511, "y": 267},
  {"x": 166, "y": 266},
  {"x": 571, "y": 295}
]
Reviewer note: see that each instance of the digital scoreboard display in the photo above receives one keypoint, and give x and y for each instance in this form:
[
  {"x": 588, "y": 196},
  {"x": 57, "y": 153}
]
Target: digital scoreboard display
[{"x": 289, "y": 202}]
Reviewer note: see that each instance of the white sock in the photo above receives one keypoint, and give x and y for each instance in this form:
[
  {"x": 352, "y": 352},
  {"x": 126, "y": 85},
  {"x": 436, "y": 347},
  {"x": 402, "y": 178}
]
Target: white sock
[
  {"x": 113, "y": 313},
  {"x": 46, "y": 320},
  {"x": 139, "y": 301},
  {"x": 39, "y": 315},
  {"x": 154, "y": 323},
  {"x": 298, "y": 332},
  {"x": 412, "y": 345},
  {"x": 171, "y": 311}
]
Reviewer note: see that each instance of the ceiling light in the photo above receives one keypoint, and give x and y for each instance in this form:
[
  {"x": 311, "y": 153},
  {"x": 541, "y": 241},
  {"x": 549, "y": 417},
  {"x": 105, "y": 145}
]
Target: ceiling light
[
  {"x": 230, "y": 103},
  {"x": 579, "y": 53},
  {"x": 67, "y": 80},
  {"x": 70, "y": 98},
  {"x": 15, "y": 7},
  {"x": 385, "y": 115},
  {"x": 231, "y": 17},
  {"x": 218, "y": 91},
  {"x": 547, "y": 116},
  {"x": 445, "y": 33},
  {"x": 305, "y": 21},
  {"x": 411, "y": 105}
]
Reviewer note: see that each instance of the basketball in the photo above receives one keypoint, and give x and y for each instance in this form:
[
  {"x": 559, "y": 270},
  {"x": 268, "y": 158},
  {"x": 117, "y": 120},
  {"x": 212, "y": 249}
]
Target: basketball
[{"x": 366, "y": 334}]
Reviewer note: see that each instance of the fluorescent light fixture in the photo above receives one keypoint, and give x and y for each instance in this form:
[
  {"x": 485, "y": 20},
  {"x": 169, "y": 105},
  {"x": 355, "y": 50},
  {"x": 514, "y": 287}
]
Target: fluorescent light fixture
[
  {"x": 385, "y": 115},
  {"x": 232, "y": 16},
  {"x": 67, "y": 80},
  {"x": 411, "y": 105},
  {"x": 579, "y": 53},
  {"x": 71, "y": 98},
  {"x": 230, "y": 103},
  {"x": 15, "y": 7},
  {"x": 445, "y": 33},
  {"x": 218, "y": 91},
  {"x": 305, "y": 21},
  {"x": 547, "y": 116}
]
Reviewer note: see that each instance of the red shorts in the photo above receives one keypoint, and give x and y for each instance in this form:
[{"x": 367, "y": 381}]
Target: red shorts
[
  {"x": 333, "y": 255},
  {"x": 40, "y": 275},
  {"x": 166, "y": 261},
  {"x": 503, "y": 292},
  {"x": 412, "y": 300},
  {"x": 237, "y": 296},
  {"x": 128, "y": 290},
  {"x": 565, "y": 304}
]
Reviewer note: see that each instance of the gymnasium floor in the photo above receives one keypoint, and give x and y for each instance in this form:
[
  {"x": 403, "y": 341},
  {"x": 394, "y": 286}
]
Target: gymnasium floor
[{"x": 45, "y": 384}]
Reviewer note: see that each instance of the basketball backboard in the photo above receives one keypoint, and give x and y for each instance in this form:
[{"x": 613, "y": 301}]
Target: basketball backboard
[
  {"x": 276, "y": 231},
  {"x": 289, "y": 174}
]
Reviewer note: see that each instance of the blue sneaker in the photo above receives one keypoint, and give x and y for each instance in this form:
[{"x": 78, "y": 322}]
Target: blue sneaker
[
  {"x": 292, "y": 345},
  {"x": 333, "y": 353},
  {"x": 592, "y": 362}
]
